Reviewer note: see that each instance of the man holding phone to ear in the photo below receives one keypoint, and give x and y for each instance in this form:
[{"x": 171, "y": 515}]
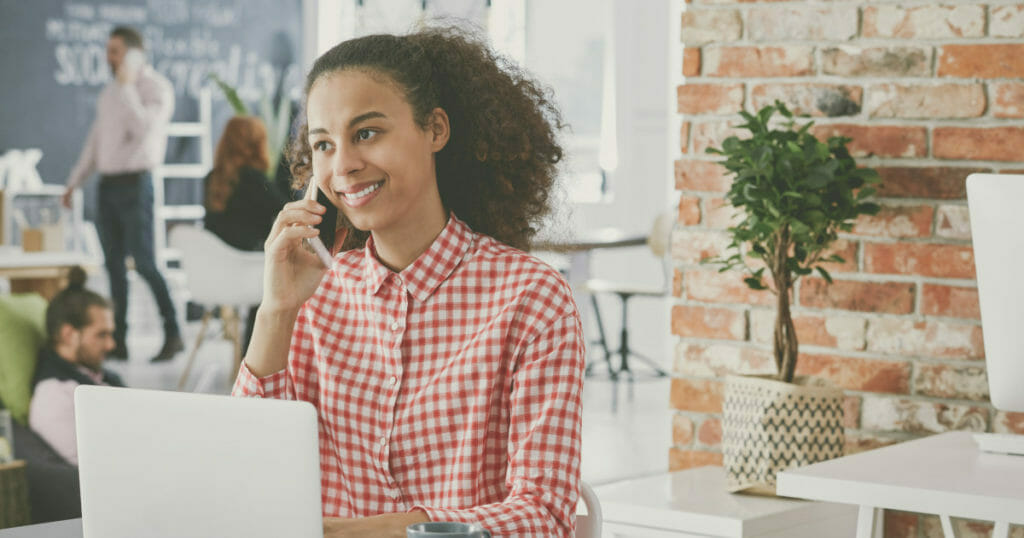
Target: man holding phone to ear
[{"x": 127, "y": 139}]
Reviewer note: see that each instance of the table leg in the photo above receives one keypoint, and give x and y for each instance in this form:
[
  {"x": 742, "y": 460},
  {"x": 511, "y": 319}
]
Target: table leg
[
  {"x": 947, "y": 526},
  {"x": 1002, "y": 530},
  {"x": 868, "y": 519}
]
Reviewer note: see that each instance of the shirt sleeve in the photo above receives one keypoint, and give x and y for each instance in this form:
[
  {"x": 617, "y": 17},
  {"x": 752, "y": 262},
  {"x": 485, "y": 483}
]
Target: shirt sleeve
[
  {"x": 544, "y": 441},
  {"x": 86, "y": 160},
  {"x": 149, "y": 104},
  {"x": 52, "y": 415},
  {"x": 298, "y": 381}
]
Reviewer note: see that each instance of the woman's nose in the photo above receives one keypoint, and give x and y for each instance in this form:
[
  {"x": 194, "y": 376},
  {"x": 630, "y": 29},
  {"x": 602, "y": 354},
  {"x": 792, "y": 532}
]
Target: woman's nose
[{"x": 347, "y": 160}]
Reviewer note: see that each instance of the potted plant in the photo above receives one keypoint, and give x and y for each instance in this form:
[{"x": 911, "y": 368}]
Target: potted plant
[{"x": 795, "y": 194}]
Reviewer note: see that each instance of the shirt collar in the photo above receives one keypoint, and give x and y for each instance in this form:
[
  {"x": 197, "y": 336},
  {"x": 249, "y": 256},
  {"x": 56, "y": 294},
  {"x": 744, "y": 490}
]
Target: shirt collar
[{"x": 423, "y": 276}]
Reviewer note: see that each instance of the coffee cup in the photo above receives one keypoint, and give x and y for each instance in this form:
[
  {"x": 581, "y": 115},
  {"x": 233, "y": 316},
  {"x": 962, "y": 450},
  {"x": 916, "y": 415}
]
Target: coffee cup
[{"x": 446, "y": 529}]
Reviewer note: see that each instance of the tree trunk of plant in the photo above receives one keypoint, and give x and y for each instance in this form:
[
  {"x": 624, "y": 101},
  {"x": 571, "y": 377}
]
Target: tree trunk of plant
[{"x": 785, "y": 333}]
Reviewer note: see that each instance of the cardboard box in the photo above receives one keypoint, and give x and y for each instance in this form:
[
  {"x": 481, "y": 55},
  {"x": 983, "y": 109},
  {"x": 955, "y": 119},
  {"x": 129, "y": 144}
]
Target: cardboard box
[{"x": 49, "y": 238}]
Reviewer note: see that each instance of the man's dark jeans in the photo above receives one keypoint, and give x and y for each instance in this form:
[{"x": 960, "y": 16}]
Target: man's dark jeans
[{"x": 125, "y": 225}]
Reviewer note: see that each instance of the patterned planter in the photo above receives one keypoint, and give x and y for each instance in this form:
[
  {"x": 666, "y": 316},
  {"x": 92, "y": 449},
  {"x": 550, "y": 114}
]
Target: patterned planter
[{"x": 770, "y": 426}]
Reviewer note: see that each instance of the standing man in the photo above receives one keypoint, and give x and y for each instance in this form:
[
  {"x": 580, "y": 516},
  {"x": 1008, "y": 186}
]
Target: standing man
[
  {"x": 79, "y": 327},
  {"x": 127, "y": 139}
]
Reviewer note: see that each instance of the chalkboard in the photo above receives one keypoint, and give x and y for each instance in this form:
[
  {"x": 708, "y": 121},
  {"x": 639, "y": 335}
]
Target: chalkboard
[{"x": 53, "y": 60}]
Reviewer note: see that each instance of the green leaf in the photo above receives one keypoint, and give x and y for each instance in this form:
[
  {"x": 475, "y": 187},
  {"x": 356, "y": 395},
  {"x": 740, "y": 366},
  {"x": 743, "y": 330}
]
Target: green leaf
[
  {"x": 755, "y": 283},
  {"x": 824, "y": 274},
  {"x": 231, "y": 95}
]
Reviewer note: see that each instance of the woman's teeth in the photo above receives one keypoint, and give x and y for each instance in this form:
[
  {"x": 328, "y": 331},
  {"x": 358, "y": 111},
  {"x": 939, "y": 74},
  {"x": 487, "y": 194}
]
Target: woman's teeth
[{"x": 364, "y": 192}]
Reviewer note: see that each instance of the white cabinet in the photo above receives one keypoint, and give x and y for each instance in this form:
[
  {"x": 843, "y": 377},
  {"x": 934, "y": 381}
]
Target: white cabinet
[{"x": 695, "y": 504}]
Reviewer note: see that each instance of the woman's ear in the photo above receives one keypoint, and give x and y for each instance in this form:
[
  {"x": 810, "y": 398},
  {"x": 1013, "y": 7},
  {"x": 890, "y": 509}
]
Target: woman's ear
[{"x": 440, "y": 129}]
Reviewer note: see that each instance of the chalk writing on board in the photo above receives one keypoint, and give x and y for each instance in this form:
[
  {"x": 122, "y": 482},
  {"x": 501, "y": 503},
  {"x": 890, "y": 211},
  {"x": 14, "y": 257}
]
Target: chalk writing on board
[{"x": 182, "y": 40}]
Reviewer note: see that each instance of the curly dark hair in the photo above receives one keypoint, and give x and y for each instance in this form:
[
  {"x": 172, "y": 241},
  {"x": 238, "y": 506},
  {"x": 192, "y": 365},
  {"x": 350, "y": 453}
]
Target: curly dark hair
[
  {"x": 498, "y": 169},
  {"x": 71, "y": 305}
]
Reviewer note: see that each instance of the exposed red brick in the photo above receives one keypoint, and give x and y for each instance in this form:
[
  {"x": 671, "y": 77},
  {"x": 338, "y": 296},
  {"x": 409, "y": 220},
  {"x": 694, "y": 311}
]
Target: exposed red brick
[
  {"x": 693, "y": 245},
  {"x": 710, "y": 432},
  {"x": 880, "y": 140},
  {"x": 900, "y": 524},
  {"x": 709, "y": 98},
  {"x": 684, "y": 137},
  {"x": 809, "y": 99},
  {"x": 810, "y": 23},
  {"x": 888, "y": 414},
  {"x": 897, "y": 221},
  {"x": 849, "y": 61},
  {"x": 843, "y": 332},
  {"x": 887, "y": 297},
  {"x": 952, "y": 222},
  {"x": 924, "y": 22},
  {"x": 677, "y": 283},
  {"x": 699, "y": 395},
  {"x": 1007, "y": 422},
  {"x": 981, "y": 61},
  {"x": 857, "y": 374},
  {"x": 707, "y": 322},
  {"x": 946, "y": 381},
  {"x": 743, "y": 62},
  {"x": 711, "y": 134},
  {"x": 721, "y": 359},
  {"x": 1006, "y": 21},
  {"x": 701, "y": 26},
  {"x": 860, "y": 442},
  {"x": 679, "y": 460},
  {"x": 701, "y": 176},
  {"x": 979, "y": 143},
  {"x": 682, "y": 430},
  {"x": 851, "y": 411},
  {"x": 691, "y": 62},
  {"x": 708, "y": 285},
  {"x": 924, "y": 259},
  {"x": 847, "y": 250},
  {"x": 926, "y": 101},
  {"x": 941, "y": 182},
  {"x": 1007, "y": 99},
  {"x": 930, "y": 338},
  {"x": 689, "y": 210},
  {"x": 719, "y": 214},
  {"x": 950, "y": 301}
]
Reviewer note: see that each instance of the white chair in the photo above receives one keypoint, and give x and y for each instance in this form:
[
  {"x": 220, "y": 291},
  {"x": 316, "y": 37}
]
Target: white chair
[
  {"x": 658, "y": 242},
  {"x": 589, "y": 525},
  {"x": 220, "y": 277}
]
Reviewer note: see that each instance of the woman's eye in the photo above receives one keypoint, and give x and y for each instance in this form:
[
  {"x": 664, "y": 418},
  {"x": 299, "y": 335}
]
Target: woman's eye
[
  {"x": 365, "y": 134},
  {"x": 320, "y": 145}
]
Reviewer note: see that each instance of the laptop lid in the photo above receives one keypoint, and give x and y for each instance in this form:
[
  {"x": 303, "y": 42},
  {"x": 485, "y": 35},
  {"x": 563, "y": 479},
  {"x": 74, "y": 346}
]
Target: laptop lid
[{"x": 156, "y": 463}]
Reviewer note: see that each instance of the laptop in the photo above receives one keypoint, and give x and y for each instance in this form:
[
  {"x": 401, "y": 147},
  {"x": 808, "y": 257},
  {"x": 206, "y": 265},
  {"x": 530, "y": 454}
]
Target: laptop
[{"x": 157, "y": 463}]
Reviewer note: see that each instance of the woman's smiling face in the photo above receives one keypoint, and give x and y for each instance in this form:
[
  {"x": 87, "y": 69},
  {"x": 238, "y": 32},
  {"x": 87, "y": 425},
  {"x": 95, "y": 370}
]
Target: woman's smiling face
[{"x": 369, "y": 155}]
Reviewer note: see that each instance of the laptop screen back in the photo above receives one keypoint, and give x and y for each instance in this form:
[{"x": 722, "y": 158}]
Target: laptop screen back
[{"x": 155, "y": 463}]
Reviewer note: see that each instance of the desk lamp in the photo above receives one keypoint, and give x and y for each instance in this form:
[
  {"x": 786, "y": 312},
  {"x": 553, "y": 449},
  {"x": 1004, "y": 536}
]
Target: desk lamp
[{"x": 996, "y": 205}]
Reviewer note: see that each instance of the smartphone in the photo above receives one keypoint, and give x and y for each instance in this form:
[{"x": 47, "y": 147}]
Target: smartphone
[{"x": 329, "y": 226}]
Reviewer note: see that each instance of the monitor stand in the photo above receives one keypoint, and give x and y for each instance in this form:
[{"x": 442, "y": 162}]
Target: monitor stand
[{"x": 1000, "y": 443}]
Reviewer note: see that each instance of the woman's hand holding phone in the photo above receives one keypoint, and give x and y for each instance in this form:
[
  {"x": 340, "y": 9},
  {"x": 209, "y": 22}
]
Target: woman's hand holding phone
[{"x": 291, "y": 271}]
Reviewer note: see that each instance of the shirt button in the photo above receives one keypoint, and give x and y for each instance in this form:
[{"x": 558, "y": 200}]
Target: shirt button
[
  {"x": 383, "y": 441},
  {"x": 394, "y": 326},
  {"x": 393, "y": 380}
]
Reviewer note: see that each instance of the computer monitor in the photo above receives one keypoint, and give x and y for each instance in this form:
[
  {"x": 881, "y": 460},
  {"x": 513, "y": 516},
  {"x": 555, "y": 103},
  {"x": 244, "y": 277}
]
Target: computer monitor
[{"x": 996, "y": 205}]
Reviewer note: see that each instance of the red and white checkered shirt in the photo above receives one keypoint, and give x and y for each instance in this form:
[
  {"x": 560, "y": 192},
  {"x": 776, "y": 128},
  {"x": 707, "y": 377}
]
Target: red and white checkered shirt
[{"x": 452, "y": 387}]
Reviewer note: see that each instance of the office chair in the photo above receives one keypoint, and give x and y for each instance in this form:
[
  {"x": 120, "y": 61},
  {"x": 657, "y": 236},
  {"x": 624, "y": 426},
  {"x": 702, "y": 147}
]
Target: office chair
[
  {"x": 589, "y": 525},
  {"x": 218, "y": 277},
  {"x": 658, "y": 242}
]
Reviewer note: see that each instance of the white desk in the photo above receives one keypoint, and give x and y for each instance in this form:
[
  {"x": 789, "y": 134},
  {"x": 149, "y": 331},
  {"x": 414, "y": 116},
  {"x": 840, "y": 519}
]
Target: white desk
[
  {"x": 694, "y": 503},
  {"x": 944, "y": 474},
  {"x": 41, "y": 272},
  {"x": 69, "y": 528}
]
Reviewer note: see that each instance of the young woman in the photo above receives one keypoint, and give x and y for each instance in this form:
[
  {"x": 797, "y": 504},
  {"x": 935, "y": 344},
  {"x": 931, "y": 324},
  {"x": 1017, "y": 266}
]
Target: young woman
[
  {"x": 445, "y": 363},
  {"x": 241, "y": 204}
]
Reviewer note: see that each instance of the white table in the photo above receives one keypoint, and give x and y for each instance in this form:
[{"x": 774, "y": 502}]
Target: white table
[
  {"x": 41, "y": 272},
  {"x": 694, "y": 503},
  {"x": 944, "y": 474}
]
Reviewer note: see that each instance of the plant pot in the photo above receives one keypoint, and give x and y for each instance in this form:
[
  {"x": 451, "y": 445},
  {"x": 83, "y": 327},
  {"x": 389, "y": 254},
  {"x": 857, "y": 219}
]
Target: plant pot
[{"x": 769, "y": 426}]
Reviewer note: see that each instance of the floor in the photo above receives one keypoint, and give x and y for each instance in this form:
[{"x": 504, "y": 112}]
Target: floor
[{"x": 631, "y": 440}]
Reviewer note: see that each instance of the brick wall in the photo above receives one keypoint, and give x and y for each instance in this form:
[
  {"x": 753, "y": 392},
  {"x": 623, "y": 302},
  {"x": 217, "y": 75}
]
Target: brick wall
[{"x": 929, "y": 93}]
